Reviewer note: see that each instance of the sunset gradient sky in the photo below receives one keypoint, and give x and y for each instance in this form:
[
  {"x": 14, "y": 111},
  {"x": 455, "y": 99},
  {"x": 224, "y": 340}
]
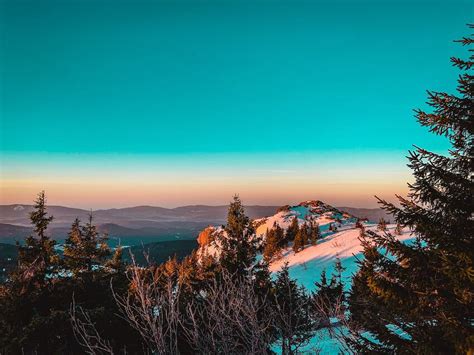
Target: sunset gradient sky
[{"x": 121, "y": 103}]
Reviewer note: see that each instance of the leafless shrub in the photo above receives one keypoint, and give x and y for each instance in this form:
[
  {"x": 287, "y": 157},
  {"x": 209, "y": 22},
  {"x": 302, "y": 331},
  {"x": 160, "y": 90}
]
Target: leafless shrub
[
  {"x": 86, "y": 333},
  {"x": 151, "y": 309},
  {"x": 336, "y": 320},
  {"x": 148, "y": 307},
  {"x": 229, "y": 318}
]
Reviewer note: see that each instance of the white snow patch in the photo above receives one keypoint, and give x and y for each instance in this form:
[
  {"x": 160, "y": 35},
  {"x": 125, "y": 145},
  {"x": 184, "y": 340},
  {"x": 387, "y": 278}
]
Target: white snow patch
[{"x": 306, "y": 266}]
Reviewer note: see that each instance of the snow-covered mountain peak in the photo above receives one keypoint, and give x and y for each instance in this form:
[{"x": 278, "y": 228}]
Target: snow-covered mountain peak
[
  {"x": 306, "y": 211},
  {"x": 310, "y": 211}
]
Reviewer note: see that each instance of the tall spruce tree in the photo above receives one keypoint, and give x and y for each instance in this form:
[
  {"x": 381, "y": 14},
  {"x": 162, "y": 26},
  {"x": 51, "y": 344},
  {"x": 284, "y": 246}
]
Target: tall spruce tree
[
  {"x": 292, "y": 230},
  {"x": 329, "y": 296},
  {"x": 419, "y": 297},
  {"x": 301, "y": 238},
  {"x": 298, "y": 242},
  {"x": 94, "y": 246},
  {"x": 314, "y": 232},
  {"x": 271, "y": 245},
  {"x": 304, "y": 232},
  {"x": 85, "y": 249},
  {"x": 239, "y": 245},
  {"x": 37, "y": 259},
  {"x": 293, "y": 322},
  {"x": 23, "y": 298},
  {"x": 280, "y": 236},
  {"x": 72, "y": 258}
]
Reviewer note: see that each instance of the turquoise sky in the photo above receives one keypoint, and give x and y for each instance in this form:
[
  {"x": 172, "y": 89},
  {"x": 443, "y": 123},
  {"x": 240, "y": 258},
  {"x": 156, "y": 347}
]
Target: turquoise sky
[{"x": 84, "y": 81}]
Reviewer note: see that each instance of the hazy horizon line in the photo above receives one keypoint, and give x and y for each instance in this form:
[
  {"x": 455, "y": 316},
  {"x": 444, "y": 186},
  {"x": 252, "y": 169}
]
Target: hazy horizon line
[{"x": 179, "y": 206}]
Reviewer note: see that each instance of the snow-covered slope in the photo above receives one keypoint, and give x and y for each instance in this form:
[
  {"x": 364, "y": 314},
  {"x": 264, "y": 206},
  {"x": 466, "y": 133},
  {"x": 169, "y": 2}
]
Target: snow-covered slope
[{"x": 306, "y": 265}]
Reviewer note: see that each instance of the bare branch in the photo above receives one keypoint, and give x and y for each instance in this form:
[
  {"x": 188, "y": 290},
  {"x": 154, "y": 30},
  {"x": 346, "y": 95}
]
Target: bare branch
[{"x": 86, "y": 333}]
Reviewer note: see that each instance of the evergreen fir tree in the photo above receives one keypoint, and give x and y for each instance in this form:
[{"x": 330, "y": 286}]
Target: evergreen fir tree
[
  {"x": 116, "y": 262},
  {"x": 292, "y": 230},
  {"x": 304, "y": 234},
  {"x": 297, "y": 243},
  {"x": 239, "y": 246},
  {"x": 280, "y": 236},
  {"x": 330, "y": 295},
  {"x": 37, "y": 258},
  {"x": 339, "y": 288},
  {"x": 315, "y": 233},
  {"x": 94, "y": 246},
  {"x": 262, "y": 281},
  {"x": 293, "y": 322},
  {"x": 339, "y": 269},
  {"x": 382, "y": 225},
  {"x": 301, "y": 238},
  {"x": 271, "y": 245},
  {"x": 35, "y": 301},
  {"x": 85, "y": 250},
  {"x": 421, "y": 295},
  {"x": 23, "y": 295},
  {"x": 71, "y": 254},
  {"x": 322, "y": 297},
  {"x": 324, "y": 280}
]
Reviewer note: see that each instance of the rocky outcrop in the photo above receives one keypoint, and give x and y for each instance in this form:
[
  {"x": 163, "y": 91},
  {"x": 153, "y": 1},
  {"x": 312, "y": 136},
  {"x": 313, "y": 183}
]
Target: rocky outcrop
[{"x": 206, "y": 236}]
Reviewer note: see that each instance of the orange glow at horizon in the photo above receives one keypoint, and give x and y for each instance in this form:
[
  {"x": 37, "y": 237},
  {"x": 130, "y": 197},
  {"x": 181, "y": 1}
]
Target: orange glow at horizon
[
  {"x": 108, "y": 194},
  {"x": 107, "y": 181}
]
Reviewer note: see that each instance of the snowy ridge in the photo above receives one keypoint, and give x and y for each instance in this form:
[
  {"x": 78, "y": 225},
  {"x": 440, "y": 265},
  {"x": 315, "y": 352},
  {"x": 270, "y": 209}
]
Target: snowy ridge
[
  {"x": 312, "y": 210},
  {"x": 317, "y": 210},
  {"x": 306, "y": 265}
]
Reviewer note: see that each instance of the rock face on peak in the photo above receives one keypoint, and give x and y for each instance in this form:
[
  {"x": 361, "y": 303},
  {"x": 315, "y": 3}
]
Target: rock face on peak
[
  {"x": 307, "y": 211},
  {"x": 206, "y": 236}
]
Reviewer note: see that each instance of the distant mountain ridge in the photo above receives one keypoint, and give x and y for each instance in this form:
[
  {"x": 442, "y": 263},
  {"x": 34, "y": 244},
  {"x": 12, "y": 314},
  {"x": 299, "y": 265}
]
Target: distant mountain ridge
[
  {"x": 18, "y": 214},
  {"x": 185, "y": 221}
]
